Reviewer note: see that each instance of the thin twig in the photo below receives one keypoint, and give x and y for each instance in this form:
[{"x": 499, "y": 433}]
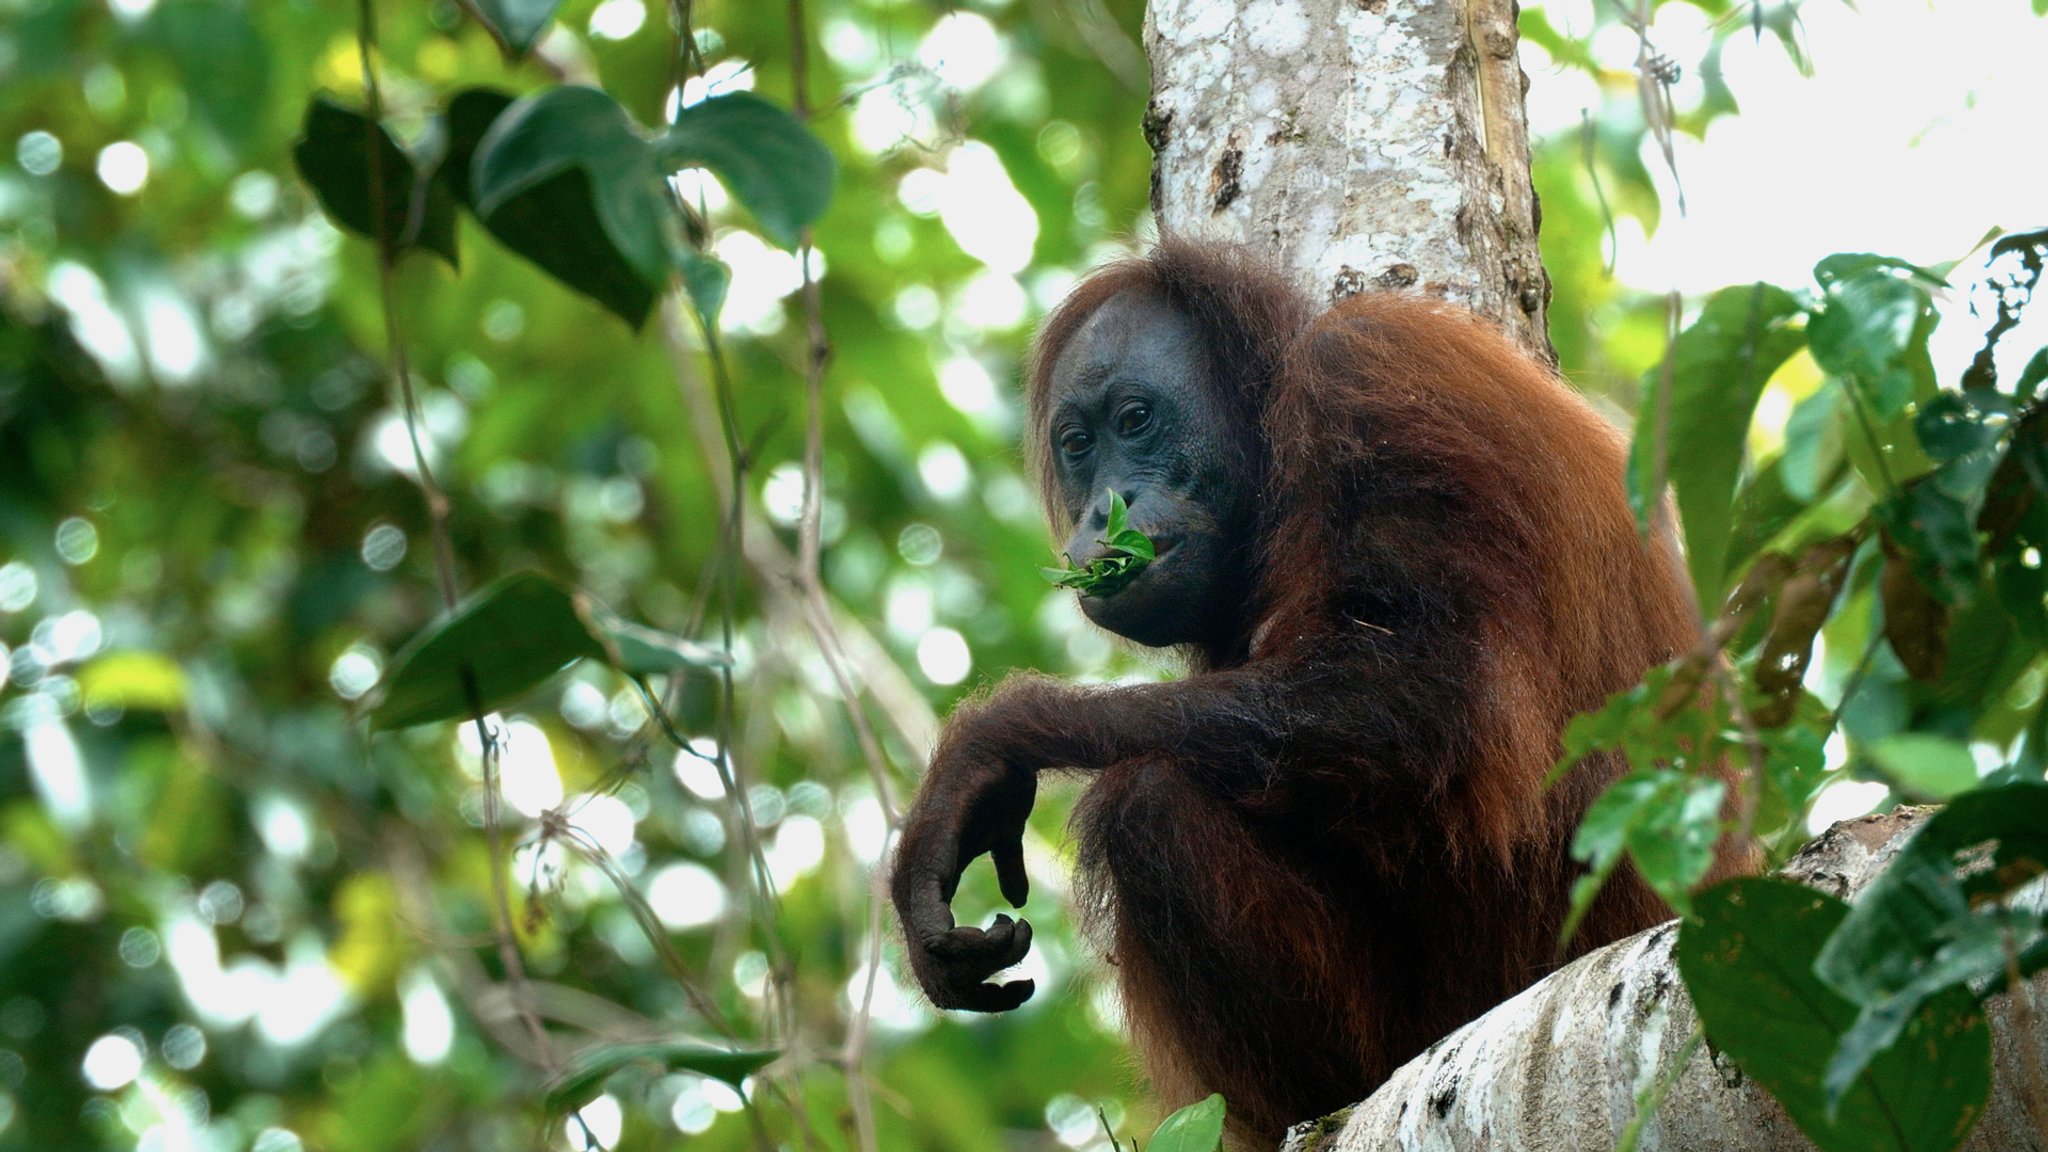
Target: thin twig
[
  {"x": 438, "y": 512},
  {"x": 1588, "y": 140},
  {"x": 810, "y": 531},
  {"x": 650, "y": 925}
]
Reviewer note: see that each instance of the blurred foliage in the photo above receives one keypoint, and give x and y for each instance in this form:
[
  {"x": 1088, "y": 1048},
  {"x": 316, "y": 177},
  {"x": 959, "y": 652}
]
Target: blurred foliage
[{"x": 232, "y": 916}]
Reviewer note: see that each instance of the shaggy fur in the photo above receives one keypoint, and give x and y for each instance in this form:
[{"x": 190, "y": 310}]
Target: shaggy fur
[{"x": 1330, "y": 845}]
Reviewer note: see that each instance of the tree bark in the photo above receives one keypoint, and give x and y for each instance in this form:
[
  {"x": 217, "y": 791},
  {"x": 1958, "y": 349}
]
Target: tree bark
[
  {"x": 1361, "y": 144},
  {"x": 1560, "y": 1066}
]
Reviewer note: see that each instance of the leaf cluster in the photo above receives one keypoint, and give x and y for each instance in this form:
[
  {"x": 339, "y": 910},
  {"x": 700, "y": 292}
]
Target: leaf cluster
[
  {"x": 1130, "y": 551},
  {"x": 568, "y": 180},
  {"x": 1899, "y": 527}
]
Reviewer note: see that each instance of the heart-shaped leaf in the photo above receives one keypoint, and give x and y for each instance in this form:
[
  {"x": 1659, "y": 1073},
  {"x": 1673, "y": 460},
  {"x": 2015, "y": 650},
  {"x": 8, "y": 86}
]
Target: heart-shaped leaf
[
  {"x": 554, "y": 224},
  {"x": 507, "y": 638},
  {"x": 334, "y": 158},
  {"x": 1864, "y": 327},
  {"x": 772, "y": 163},
  {"x": 1926, "y": 765},
  {"x": 562, "y": 148}
]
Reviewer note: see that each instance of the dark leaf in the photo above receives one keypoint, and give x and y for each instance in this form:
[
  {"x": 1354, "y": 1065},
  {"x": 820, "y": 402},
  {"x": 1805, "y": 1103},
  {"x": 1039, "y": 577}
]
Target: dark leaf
[
  {"x": 2023, "y": 593},
  {"x": 772, "y": 163},
  {"x": 1864, "y": 329},
  {"x": 333, "y": 157},
  {"x": 553, "y": 224},
  {"x": 1195, "y": 1128},
  {"x": 1842, "y": 266},
  {"x": 1803, "y": 602},
  {"x": 1932, "y": 529},
  {"x": 564, "y": 178},
  {"x": 470, "y": 114},
  {"x": 1925, "y": 765},
  {"x": 1667, "y": 822},
  {"x": 516, "y": 24},
  {"x": 587, "y": 1071},
  {"x": 1747, "y": 959},
  {"x": 505, "y": 639},
  {"x": 1935, "y": 919},
  {"x": 2009, "y": 495},
  {"x": 1718, "y": 369},
  {"x": 1954, "y": 425},
  {"x": 641, "y": 651}
]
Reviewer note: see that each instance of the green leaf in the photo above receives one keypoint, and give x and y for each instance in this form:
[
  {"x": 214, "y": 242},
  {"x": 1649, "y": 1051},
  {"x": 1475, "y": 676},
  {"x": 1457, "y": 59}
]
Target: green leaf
[
  {"x": 587, "y": 1071},
  {"x": 1813, "y": 444},
  {"x": 1667, "y": 822},
  {"x": 1934, "y": 919},
  {"x": 641, "y": 651},
  {"x": 554, "y": 223},
  {"x": 770, "y": 161},
  {"x": 1795, "y": 765},
  {"x": 1718, "y": 369},
  {"x": 516, "y": 24},
  {"x": 1130, "y": 551},
  {"x": 508, "y": 637},
  {"x": 1925, "y": 765},
  {"x": 1847, "y": 265},
  {"x": 1748, "y": 959},
  {"x": 223, "y": 64},
  {"x": 1915, "y": 620},
  {"x": 1933, "y": 530},
  {"x": 577, "y": 132},
  {"x": 512, "y": 635},
  {"x": 1195, "y": 1128},
  {"x": 1863, "y": 330},
  {"x": 333, "y": 157},
  {"x": 1956, "y": 425}
]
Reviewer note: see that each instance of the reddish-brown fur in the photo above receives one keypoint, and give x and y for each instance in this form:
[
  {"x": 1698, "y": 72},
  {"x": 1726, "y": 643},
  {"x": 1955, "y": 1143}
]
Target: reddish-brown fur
[{"x": 1330, "y": 845}]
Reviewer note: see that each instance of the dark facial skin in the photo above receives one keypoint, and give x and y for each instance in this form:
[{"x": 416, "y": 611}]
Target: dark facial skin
[{"x": 1132, "y": 411}]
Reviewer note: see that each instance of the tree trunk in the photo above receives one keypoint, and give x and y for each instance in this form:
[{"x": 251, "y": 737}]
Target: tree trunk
[
  {"x": 1361, "y": 144},
  {"x": 1560, "y": 1065}
]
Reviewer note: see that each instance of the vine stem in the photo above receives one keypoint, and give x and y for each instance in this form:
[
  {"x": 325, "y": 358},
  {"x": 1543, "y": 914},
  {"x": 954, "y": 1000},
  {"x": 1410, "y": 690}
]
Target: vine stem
[
  {"x": 818, "y": 613},
  {"x": 780, "y": 991},
  {"x": 438, "y": 515}
]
